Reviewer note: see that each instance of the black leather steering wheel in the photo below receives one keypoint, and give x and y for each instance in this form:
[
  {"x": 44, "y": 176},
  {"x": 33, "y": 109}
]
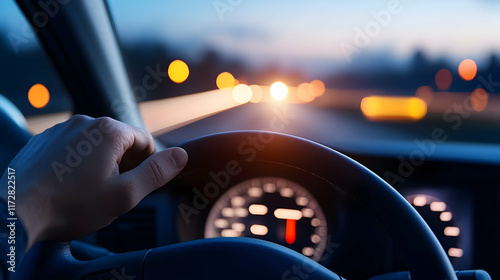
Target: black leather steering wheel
[{"x": 243, "y": 258}]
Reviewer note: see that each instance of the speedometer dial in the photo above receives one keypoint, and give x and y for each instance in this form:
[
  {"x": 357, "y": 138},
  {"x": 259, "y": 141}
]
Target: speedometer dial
[{"x": 272, "y": 209}]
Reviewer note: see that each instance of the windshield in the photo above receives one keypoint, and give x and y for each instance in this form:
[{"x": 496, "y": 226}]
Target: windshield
[
  {"x": 27, "y": 76},
  {"x": 398, "y": 69}
]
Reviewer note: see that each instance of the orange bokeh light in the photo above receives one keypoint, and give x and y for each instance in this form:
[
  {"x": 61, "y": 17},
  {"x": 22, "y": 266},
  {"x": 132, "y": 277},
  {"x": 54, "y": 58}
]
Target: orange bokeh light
[
  {"x": 38, "y": 96},
  {"x": 317, "y": 87},
  {"x": 178, "y": 71},
  {"x": 393, "y": 108},
  {"x": 443, "y": 79},
  {"x": 467, "y": 69},
  {"x": 425, "y": 93},
  {"x": 225, "y": 80},
  {"x": 479, "y": 99},
  {"x": 304, "y": 93}
]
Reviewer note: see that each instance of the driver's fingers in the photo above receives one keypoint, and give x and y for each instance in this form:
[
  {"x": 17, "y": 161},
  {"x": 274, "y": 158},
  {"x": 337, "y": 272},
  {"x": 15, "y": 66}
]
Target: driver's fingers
[
  {"x": 141, "y": 147},
  {"x": 133, "y": 140},
  {"x": 128, "y": 145},
  {"x": 130, "y": 187}
]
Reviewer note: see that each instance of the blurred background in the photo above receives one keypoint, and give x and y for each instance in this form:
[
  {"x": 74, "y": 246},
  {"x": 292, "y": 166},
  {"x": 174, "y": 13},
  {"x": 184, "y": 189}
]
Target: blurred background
[
  {"x": 443, "y": 53},
  {"x": 364, "y": 77}
]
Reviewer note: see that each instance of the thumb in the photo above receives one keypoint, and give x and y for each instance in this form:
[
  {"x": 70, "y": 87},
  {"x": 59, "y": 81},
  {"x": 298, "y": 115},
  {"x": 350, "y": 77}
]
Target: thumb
[{"x": 152, "y": 173}]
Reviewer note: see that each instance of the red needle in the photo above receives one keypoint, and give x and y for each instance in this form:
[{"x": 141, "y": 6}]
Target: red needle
[{"x": 290, "y": 231}]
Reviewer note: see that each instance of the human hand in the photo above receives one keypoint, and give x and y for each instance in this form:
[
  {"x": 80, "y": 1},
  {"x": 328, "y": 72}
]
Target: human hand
[{"x": 78, "y": 176}]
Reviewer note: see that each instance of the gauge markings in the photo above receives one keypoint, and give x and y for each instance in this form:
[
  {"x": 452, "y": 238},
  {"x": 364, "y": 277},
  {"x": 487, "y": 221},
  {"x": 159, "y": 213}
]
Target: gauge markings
[
  {"x": 259, "y": 229},
  {"x": 302, "y": 201},
  {"x": 237, "y": 201},
  {"x": 451, "y": 231},
  {"x": 455, "y": 252},
  {"x": 445, "y": 216},
  {"x": 221, "y": 223},
  {"x": 269, "y": 188},
  {"x": 315, "y": 222},
  {"x": 273, "y": 209},
  {"x": 287, "y": 214},
  {"x": 307, "y": 212},
  {"x": 255, "y": 192},
  {"x": 286, "y": 192},
  {"x": 241, "y": 212},
  {"x": 440, "y": 219},
  {"x": 437, "y": 206},
  {"x": 257, "y": 209},
  {"x": 230, "y": 233},
  {"x": 315, "y": 238}
]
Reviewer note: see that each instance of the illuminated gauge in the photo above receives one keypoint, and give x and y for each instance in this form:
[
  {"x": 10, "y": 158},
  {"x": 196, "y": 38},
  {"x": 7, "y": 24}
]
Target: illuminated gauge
[
  {"x": 273, "y": 209},
  {"x": 440, "y": 220}
]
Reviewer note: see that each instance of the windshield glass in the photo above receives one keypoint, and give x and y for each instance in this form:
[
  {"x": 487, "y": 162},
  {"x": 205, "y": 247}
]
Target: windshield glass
[
  {"x": 27, "y": 76},
  {"x": 397, "y": 69}
]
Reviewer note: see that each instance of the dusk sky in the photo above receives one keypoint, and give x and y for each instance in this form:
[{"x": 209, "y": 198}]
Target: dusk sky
[{"x": 305, "y": 32}]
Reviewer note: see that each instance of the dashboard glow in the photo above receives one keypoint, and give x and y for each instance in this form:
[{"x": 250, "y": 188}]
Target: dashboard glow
[
  {"x": 287, "y": 214},
  {"x": 440, "y": 218},
  {"x": 273, "y": 209}
]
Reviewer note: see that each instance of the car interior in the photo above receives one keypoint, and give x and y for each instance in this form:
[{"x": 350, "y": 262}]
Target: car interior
[{"x": 326, "y": 139}]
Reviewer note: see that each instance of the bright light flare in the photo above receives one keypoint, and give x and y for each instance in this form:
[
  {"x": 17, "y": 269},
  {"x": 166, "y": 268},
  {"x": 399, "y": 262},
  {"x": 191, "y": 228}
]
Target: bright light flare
[
  {"x": 38, "y": 96},
  {"x": 242, "y": 93},
  {"x": 279, "y": 91},
  {"x": 393, "y": 108},
  {"x": 178, "y": 71},
  {"x": 467, "y": 69}
]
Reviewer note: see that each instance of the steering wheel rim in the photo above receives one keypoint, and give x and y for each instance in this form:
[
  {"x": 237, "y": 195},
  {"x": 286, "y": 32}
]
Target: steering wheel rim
[
  {"x": 358, "y": 182},
  {"x": 425, "y": 257}
]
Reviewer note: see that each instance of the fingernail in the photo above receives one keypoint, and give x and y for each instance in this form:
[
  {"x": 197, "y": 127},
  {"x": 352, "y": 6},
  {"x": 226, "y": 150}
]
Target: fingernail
[{"x": 179, "y": 157}]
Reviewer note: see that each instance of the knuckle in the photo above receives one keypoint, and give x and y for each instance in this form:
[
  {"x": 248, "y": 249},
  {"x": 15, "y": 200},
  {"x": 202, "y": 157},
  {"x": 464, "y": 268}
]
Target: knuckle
[
  {"x": 105, "y": 120},
  {"x": 107, "y": 125},
  {"x": 159, "y": 173},
  {"x": 118, "y": 141},
  {"x": 76, "y": 119}
]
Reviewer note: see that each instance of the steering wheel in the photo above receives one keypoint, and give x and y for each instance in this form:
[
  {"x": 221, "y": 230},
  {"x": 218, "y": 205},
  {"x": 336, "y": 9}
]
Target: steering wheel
[{"x": 244, "y": 258}]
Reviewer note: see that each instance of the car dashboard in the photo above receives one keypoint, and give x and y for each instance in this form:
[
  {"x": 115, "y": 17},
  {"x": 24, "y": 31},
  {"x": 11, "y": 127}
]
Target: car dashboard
[{"x": 297, "y": 209}]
